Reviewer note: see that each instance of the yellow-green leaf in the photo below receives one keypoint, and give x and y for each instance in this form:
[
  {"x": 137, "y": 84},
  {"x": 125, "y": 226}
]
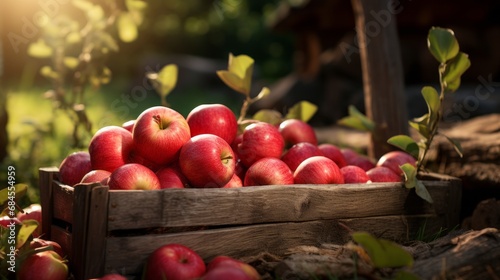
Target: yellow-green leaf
[
  {"x": 442, "y": 44},
  {"x": 167, "y": 79},
  {"x": 431, "y": 97},
  {"x": 241, "y": 69},
  {"x": 454, "y": 70},
  {"x": 410, "y": 173},
  {"x": 303, "y": 110},
  {"x": 456, "y": 145},
  {"x": 39, "y": 49},
  {"x": 357, "y": 120},
  {"x": 24, "y": 234},
  {"x": 127, "y": 29},
  {"x": 232, "y": 81},
  {"x": 405, "y": 143},
  {"x": 422, "y": 191},
  {"x": 383, "y": 253},
  {"x": 264, "y": 92},
  {"x": 5, "y": 194},
  {"x": 47, "y": 72},
  {"x": 268, "y": 116},
  {"x": 70, "y": 62}
]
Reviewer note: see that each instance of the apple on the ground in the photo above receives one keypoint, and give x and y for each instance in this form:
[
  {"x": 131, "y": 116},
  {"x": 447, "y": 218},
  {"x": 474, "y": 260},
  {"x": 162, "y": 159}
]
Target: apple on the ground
[
  {"x": 159, "y": 133},
  {"x": 133, "y": 176},
  {"x": 296, "y": 131},
  {"x": 318, "y": 170},
  {"x": 268, "y": 171},
  {"x": 298, "y": 153},
  {"x": 226, "y": 273},
  {"x": 333, "y": 152},
  {"x": 354, "y": 174},
  {"x": 214, "y": 119},
  {"x": 207, "y": 161},
  {"x": 45, "y": 265},
  {"x": 32, "y": 212},
  {"x": 383, "y": 174},
  {"x": 260, "y": 140},
  {"x": 174, "y": 262},
  {"x": 226, "y": 261},
  {"x": 73, "y": 167},
  {"x": 38, "y": 243},
  {"x": 109, "y": 148}
]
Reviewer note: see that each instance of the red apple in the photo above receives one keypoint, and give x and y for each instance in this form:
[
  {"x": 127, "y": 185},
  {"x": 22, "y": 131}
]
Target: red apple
[
  {"x": 159, "y": 133},
  {"x": 129, "y": 125},
  {"x": 171, "y": 177},
  {"x": 94, "y": 176},
  {"x": 260, "y": 140},
  {"x": 6, "y": 221},
  {"x": 383, "y": 174},
  {"x": 393, "y": 160},
  {"x": 225, "y": 261},
  {"x": 268, "y": 171},
  {"x": 362, "y": 162},
  {"x": 235, "y": 182},
  {"x": 109, "y": 148},
  {"x": 296, "y": 131},
  {"x": 174, "y": 262},
  {"x": 135, "y": 157},
  {"x": 46, "y": 265},
  {"x": 32, "y": 212},
  {"x": 38, "y": 243},
  {"x": 349, "y": 155},
  {"x": 133, "y": 176},
  {"x": 214, "y": 119},
  {"x": 354, "y": 174},
  {"x": 207, "y": 161},
  {"x": 74, "y": 167},
  {"x": 298, "y": 153},
  {"x": 333, "y": 152},
  {"x": 226, "y": 273},
  {"x": 318, "y": 170}
]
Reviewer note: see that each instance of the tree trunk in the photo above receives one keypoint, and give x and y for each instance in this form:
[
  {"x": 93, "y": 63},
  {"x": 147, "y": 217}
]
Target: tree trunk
[{"x": 383, "y": 81}]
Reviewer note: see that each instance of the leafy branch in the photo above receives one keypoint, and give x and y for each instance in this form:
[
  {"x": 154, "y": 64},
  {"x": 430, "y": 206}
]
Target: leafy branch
[{"x": 443, "y": 45}]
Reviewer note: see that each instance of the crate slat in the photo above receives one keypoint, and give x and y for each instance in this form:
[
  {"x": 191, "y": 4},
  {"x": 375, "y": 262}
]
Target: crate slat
[{"x": 63, "y": 198}]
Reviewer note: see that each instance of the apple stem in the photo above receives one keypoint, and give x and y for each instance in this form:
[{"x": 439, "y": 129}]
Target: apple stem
[
  {"x": 157, "y": 119},
  {"x": 226, "y": 159}
]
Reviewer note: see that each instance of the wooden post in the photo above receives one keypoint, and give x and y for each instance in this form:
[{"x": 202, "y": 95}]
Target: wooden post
[{"x": 383, "y": 81}]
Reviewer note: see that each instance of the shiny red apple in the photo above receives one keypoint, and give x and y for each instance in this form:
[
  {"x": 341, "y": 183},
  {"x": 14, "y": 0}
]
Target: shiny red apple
[
  {"x": 74, "y": 167},
  {"x": 334, "y": 153},
  {"x": 383, "y": 174},
  {"x": 133, "y": 176},
  {"x": 38, "y": 243},
  {"x": 109, "y": 148},
  {"x": 394, "y": 159},
  {"x": 174, "y": 262},
  {"x": 159, "y": 133},
  {"x": 46, "y": 265},
  {"x": 318, "y": 170},
  {"x": 207, "y": 161},
  {"x": 298, "y": 153},
  {"x": 95, "y": 176},
  {"x": 296, "y": 131},
  {"x": 32, "y": 212},
  {"x": 171, "y": 177},
  {"x": 260, "y": 140},
  {"x": 214, "y": 119},
  {"x": 225, "y": 261},
  {"x": 268, "y": 171},
  {"x": 354, "y": 174},
  {"x": 235, "y": 182}
]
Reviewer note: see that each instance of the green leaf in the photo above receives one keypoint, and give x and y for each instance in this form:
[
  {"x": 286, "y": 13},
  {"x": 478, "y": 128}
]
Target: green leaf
[
  {"x": 431, "y": 97},
  {"x": 302, "y": 110},
  {"x": 127, "y": 29},
  {"x": 39, "y": 49},
  {"x": 268, "y": 116},
  {"x": 357, "y": 120},
  {"x": 442, "y": 44},
  {"x": 167, "y": 78},
  {"x": 47, "y": 72},
  {"x": 454, "y": 70},
  {"x": 70, "y": 62},
  {"x": 422, "y": 191},
  {"x": 5, "y": 194},
  {"x": 264, "y": 92},
  {"x": 383, "y": 253},
  {"x": 410, "y": 173},
  {"x": 405, "y": 143},
  {"x": 239, "y": 73},
  {"x": 456, "y": 145},
  {"x": 24, "y": 234}
]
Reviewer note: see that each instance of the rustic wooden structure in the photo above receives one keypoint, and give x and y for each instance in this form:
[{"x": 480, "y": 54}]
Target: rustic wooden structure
[{"x": 104, "y": 230}]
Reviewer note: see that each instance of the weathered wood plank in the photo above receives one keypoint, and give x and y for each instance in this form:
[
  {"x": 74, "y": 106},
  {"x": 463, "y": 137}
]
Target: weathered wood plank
[
  {"x": 63, "y": 198},
  {"x": 45, "y": 178},
  {"x": 63, "y": 238},
  {"x": 251, "y": 205},
  {"x": 245, "y": 241}
]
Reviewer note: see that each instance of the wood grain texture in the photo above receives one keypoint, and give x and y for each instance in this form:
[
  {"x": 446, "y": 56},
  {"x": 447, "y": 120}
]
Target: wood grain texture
[
  {"x": 63, "y": 199},
  {"x": 45, "y": 177},
  {"x": 253, "y": 205},
  {"x": 63, "y": 238},
  {"x": 245, "y": 241}
]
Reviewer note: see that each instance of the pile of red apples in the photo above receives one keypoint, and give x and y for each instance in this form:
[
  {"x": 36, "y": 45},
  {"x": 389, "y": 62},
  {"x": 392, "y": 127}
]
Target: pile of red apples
[{"x": 161, "y": 149}]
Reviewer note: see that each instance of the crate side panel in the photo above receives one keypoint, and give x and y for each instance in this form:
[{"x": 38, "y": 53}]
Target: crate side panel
[
  {"x": 254, "y": 205},
  {"x": 63, "y": 199},
  {"x": 63, "y": 238}
]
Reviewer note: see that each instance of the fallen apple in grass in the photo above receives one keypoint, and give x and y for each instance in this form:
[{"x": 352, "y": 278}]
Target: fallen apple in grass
[
  {"x": 159, "y": 133},
  {"x": 318, "y": 170},
  {"x": 46, "y": 265},
  {"x": 268, "y": 171},
  {"x": 207, "y": 161},
  {"x": 174, "y": 262},
  {"x": 109, "y": 148},
  {"x": 214, "y": 119},
  {"x": 133, "y": 176},
  {"x": 74, "y": 167}
]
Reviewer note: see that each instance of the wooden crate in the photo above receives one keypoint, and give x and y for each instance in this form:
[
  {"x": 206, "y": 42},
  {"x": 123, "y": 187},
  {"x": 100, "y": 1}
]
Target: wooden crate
[{"x": 105, "y": 230}]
